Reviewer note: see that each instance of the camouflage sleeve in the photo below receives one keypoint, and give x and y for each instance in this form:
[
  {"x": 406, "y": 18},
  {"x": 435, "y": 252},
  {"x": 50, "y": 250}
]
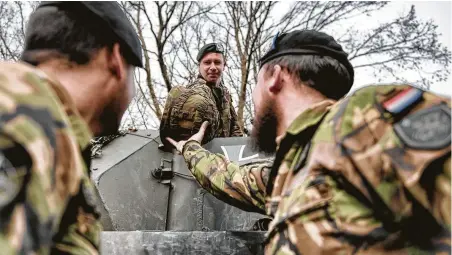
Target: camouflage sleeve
[
  {"x": 80, "y": 227},
  {"x": 240, "y": 186},
  {"x": 236, "y": 130},
  {"x": 43, "y": 177},
  {"x": 164, "y": 128},
  {"x": 26, "y": 210},
  {"x": 164, "y": 121}
]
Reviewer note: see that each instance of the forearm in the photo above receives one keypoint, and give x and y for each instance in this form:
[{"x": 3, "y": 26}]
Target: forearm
[{"x": 243, "y": 187}]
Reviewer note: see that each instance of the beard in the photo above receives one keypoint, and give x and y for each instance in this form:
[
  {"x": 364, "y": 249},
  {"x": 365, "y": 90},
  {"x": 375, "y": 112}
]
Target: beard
[
  {"x": 109, "y": 121},
  {"x": 264, "y": 130}
]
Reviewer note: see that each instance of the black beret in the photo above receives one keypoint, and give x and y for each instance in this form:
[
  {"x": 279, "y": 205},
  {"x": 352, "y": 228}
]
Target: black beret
[
  {"x": 307, "y": 42},
  {"x": 115, "y": 20},
  {"x": 208, "y": 48}
]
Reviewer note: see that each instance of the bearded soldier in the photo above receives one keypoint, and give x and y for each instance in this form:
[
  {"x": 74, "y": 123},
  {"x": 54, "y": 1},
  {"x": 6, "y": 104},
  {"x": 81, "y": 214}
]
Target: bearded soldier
[{"x": 365, "y": 174}]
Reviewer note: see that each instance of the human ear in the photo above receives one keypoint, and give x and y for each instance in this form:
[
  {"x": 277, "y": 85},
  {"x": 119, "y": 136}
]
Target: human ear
[
  {"x": 116, "y": 63},
  {"x": 275, "y": 81}
]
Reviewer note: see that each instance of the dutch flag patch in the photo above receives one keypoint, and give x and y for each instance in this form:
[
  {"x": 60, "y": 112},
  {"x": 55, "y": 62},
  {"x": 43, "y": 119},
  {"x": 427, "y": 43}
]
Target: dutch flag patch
[{"x": 403, "y": 100}]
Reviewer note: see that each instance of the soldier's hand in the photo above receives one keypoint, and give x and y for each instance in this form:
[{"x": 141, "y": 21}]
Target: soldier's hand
[{"x": 196, "y": 137}]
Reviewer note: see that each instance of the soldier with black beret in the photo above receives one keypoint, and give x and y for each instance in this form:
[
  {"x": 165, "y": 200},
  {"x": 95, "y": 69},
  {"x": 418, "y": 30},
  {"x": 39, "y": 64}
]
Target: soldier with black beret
[
  {"x": 74, "y": 80},
  {"x": 368, "y": 173},
  {"x": 206, "y": 99}
]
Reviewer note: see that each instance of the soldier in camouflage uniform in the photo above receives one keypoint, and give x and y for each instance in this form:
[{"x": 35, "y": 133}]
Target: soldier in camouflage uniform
[
  {"x": 205, "y": 99},
  {"x": 368, "y": 174},
  {"x": 75, "y": 81}
]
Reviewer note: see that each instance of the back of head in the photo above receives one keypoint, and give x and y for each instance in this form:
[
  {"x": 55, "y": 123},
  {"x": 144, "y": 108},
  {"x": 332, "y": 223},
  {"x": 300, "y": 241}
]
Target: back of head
[
  {"x": 313, "y": 58},
  {"x": 76, "y": 30}
]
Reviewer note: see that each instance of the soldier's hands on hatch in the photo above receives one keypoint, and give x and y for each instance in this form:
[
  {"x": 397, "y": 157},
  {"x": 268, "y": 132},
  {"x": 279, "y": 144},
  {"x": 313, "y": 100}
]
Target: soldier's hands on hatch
[{"x": 196, "y": 137}]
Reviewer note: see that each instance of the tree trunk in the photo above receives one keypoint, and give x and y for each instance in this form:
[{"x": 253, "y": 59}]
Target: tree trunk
[
  {"x": 242, "y": 95},
  {"x": 164, "y": 70},
  {"x": 147, "y": 68}
]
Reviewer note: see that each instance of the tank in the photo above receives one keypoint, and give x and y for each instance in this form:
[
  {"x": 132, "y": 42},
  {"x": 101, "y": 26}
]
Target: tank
[{"x": 151, "y": 204}]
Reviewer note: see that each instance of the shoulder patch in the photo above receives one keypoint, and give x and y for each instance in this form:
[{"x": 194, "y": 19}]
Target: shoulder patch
[
  {"x": 403, "y": 100},
  {"x": 426, "y": 129}
]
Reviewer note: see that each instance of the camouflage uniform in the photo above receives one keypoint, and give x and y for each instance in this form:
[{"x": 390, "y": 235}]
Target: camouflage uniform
[
  {"x": 188, "y": 107},
  {"x": 45, "y": 191},
  {"x": 349, "y": 177}
]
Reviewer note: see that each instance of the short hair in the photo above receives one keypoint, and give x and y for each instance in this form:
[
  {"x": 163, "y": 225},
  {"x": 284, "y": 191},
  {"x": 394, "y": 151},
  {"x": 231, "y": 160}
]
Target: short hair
[
  {"x": 58, "y": 32},
  {"x": 322, "y": 73}
]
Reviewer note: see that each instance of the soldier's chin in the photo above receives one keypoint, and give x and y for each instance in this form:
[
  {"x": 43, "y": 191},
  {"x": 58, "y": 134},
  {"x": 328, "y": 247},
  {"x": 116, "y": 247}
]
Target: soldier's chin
[
  {"x": 110, "y": 129},
  {"x": 109, "y": 124},
  {"x": 212, "y": 79},
  {"x": 263, "y": 142},
  {"x": 263, "y": 135}
]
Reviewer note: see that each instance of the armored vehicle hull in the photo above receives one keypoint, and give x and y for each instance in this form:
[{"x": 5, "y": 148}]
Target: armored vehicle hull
[{"x": 151, "y": 204}]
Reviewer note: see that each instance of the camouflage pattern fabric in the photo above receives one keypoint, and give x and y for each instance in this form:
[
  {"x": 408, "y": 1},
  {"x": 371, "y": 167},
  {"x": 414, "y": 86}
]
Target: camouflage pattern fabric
[
  {"x": 46, "y": 194},
  {"x": 242, "y": 186},
  {"x": 186, "y": 108},
  {"x": 349, "y": 178}
]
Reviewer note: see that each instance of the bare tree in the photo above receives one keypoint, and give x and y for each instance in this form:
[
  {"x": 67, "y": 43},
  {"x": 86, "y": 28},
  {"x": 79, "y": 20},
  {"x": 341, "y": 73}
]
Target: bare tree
[
  {"x": 13, "y": 19},
  {"x": 388, "y": 48},
  {"x": 248, "y": 19},
  {"x": 162, "y": 20},
  {"x": 404, "y": 43},
  {"x": 172, "y": 33},
  {"x": 170, "y": 16},
  {"x": 128, "y": 8}
]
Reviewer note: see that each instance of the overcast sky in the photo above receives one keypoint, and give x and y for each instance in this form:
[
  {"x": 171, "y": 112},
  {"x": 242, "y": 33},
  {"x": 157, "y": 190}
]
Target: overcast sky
[{"x": 440, "y": 12}]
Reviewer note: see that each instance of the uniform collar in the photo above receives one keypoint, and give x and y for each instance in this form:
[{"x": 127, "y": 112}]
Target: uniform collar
[
  {"x": 301, "y": 131},
  {"x": 201, "y": 79},
  {"x": 308, "y": 118}
]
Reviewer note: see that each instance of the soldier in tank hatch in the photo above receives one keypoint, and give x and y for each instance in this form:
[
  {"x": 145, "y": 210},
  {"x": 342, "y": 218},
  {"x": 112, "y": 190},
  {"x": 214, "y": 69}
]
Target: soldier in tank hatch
[{"x": 206, "y": 99}]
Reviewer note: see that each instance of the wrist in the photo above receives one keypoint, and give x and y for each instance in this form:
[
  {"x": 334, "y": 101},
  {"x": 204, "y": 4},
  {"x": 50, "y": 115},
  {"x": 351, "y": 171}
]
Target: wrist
[{"x": 189, "y": 142}]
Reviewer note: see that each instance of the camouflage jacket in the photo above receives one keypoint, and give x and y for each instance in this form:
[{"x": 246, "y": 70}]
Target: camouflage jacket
[
  {"x": 45, "y": 191},
  {"x": 187, "y": 107},
  {"x": 369, "y": 174}
]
